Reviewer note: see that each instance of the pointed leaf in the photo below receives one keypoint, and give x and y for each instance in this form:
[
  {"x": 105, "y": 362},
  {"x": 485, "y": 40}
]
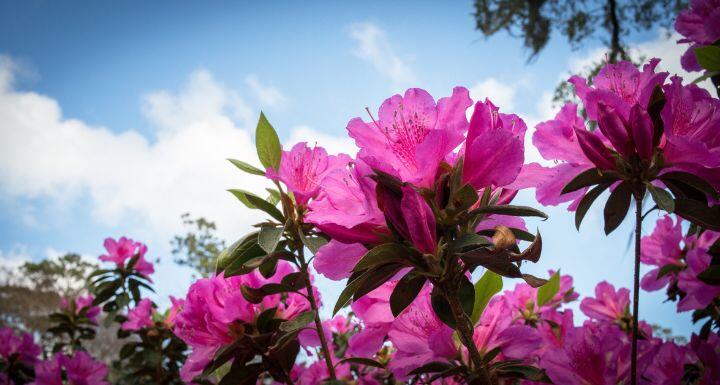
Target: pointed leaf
[
  {"x": 485, "y": 288},
  {"x": 662, "y": 198},
  {"x": 405, "y": 292},
  {"x": 587, "y": 201},
  {"x": 547, "y": 291},
  {"x": 248, "y": 168},
  {"x": 267, "y": 144},
  {"x": 269, "y": 237},
  {"x": 617, "y": 206}
]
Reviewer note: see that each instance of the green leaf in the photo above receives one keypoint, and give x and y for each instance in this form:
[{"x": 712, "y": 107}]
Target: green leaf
[
  {"x": 381, "y": 254},
  {"x": 587, "y": 178},
  {"x": 512, "y": 210},
  {"x": 255, "y": 202},
  {"x": 469, "y": 241},
  {"x": 617, "y": 206},
  {"x": 691, "y": 181},
  {"x": 267, "y": 144},
  {"x": 662, "y": 198},
  {"x": 587, "y": 201},
  {"x": 707, "y": 75},
  {"x": 405, "y": 292},
  {"x": 248, "y": 168},
  {"x": 698, "y": 213},
  {"x": 361, "y": 361},
  {"x": 313, "y": 243},
  {"x": 547, "y": 291},
  {"x": 485, "y": 288},
  {"x": 349, "y": 290},
  {"x": 377, "y": 277},
  {"x": 300, "y": 321},
  {"x": 708, "y": 57},
  {"x": 238, "y": 247},
  {"x": 269, "y": 237},
  {"x": 441, "y": 307},
  {"x": 711, "y": 275}
]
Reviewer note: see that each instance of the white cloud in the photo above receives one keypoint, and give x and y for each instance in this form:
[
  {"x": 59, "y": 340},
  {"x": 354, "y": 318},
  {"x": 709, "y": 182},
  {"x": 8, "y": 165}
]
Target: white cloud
[
  {"x": 267, "y": 95},
  {"x": 333, "y": 144},
  {"x": 124, "y": 179},
  {"x": 374, "y": 47},
  {"x": 502, "y": 94}
]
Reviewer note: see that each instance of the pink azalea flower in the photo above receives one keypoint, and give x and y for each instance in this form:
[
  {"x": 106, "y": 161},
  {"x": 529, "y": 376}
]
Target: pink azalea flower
[
  {"x": 708, "y": 353},
  {"x": 82, "y": 369},
  {"x": 214, "y": 304},
  {"x": 594, "y": 354},
  {"x": 419, "y": 337},
  {"x": 336, "y": 260},
  {"x": 698, "y": 294},
  {"x": 412, "y": 134},
  {"x": 699, "y": 26},
  {"x": 48, "y": 372},
  {"x": 373, "y": 309},
  {"x": 494, "y": 150},
  {"x": 346, "y": 208},
  {"x": 337, "y": 325},
  {"x": 410, "y": 216},
  {"x": 618, "y": 102},
  {"x": 121, "y": 250},
  {"x": 661, "y": 248},
  {"x": 23, "y": 345},
  {"x": 175, "y": 309},
  {"x": 667, "y": 246},
  {"x": 496, "y": 330},
  {"x": 691, "y": 118},
  {"x": 608, "y": 304},
  {"x": 557, "y": 140},
  {"x": 302, "y": 169},
  {"x": 523, "y": 297},
  {"x": 619, "y": 86},
  {"x": 81, "y": 304},
  {"x": 668, "y": 364},
  {"x": 140, "y": 316}
]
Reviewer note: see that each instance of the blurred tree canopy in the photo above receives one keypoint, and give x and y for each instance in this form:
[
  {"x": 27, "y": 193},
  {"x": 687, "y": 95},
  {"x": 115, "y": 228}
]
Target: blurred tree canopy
[
  {"x": 199, "y": 246},
  {"x": 607, "y": 20},
  {"x": 30, "y": 292}
]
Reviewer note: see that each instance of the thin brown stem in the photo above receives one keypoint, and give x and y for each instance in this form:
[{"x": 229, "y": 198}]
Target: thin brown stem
[
  {"x": 318, "y": 323},
  {"x": 636, "y": 289},
  {"x": 463, "y": 325}
]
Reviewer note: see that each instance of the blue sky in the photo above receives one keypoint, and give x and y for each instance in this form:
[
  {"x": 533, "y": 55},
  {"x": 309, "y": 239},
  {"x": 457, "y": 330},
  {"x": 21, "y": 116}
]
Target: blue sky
[{"x": 115, "y": 118}]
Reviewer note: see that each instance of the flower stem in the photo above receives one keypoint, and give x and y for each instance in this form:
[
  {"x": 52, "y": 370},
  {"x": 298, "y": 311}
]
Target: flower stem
[
  {"x": 318, "y": 323},
  {"x": 636, "y": 288},
  {"x": 463, "y": 325}
]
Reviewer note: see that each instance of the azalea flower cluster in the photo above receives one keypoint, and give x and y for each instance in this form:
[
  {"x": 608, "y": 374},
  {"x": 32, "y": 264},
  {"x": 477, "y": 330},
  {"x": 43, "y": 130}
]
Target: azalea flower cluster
[
  {"x": 627, "y": 142},
  {"x": 215, "y": 313},
  {"x": 80, "y": 368},
  {"x": 18, "y": 355}
]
